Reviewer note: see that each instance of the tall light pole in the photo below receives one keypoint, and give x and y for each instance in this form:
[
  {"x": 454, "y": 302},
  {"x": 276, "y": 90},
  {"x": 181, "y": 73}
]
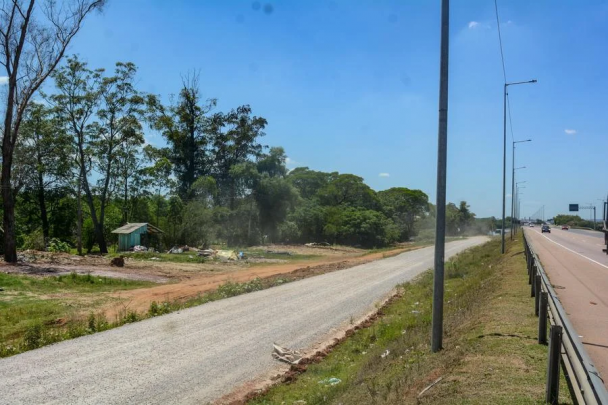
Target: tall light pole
[
  {"x": 513, "y": 186},
  {"x": 442, "y": 146},
  {"x": 504, "y": 157},
  {"x": 512, "y": 223},
  {"x": 517, "y": 187}
]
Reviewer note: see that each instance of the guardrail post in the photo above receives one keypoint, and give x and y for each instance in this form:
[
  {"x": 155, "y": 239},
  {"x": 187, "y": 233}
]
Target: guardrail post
[
  {"x": 537, "y": 291},
  {"x": 542, "y": 318},
  {"x": 533, "y": 281},
  {"x": 555, "y": 345}
]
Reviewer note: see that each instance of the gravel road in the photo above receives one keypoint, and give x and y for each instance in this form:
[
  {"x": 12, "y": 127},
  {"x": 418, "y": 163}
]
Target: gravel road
[{"x": 197, "y": 355}]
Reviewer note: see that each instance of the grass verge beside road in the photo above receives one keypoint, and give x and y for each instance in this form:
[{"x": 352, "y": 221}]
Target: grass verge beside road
[
  {"x": 35, "y": 311},
  {"x": 490, "y": 356}
]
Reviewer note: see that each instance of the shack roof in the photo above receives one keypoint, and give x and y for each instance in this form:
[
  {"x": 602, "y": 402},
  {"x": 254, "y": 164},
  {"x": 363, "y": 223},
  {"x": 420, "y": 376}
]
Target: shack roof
[{"x": 129, "y": 228}]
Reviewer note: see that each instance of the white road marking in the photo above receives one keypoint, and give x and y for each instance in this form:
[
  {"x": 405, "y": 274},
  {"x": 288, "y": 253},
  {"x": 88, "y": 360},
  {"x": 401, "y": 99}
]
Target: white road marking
[{"x": 559, "y": 244}]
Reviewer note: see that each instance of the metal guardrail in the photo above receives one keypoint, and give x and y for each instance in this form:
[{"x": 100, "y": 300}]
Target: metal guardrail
[{"x": 585, "y": 384}]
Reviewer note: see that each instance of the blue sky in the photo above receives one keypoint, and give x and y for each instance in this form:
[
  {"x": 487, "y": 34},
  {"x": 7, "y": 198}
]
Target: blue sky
[{"x": 352, "y": 86}]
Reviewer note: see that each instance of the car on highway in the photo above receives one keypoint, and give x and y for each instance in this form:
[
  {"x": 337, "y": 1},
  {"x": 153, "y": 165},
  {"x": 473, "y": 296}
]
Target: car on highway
[
  {"x": 545, "y": 228},
  {"x": 564, "y": 227},
  {"x": 531, "y": 225}
]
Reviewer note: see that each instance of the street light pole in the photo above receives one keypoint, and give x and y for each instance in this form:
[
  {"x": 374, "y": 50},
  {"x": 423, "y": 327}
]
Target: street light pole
[
  {"x": 513, "y": 187},
  {"x": 504, "y": 159},
  {"x": 517, "y": 187},
  {"x": 438, "y": 278}
]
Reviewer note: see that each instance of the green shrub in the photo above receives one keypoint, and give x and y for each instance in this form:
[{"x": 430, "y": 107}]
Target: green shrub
[
  {"x": 34, "y": 241},
  {"x": 55, "y": 245}
]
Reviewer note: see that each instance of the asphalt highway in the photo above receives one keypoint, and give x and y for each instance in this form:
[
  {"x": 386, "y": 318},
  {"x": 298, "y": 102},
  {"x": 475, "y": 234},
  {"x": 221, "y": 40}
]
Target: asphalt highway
[
  {"x": 198, "y": 355},
  {"x": 578, "y": 270}
]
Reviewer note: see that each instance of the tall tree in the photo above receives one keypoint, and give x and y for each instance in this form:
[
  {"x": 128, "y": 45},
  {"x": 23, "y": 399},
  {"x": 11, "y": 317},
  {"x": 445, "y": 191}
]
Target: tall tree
[
  {"x": 184, "y": 125},
  {"x": 404, "y": 206},
  {"x": 102, "y": 114},
  {"x": 47, "y": 145},
  {"x": 32, "y": 42},
  {"x": 235, "y": 141}
]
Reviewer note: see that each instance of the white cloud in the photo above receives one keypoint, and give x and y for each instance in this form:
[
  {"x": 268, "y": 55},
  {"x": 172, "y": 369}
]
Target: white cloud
[
  {"x": 473, "y": 24},
  {"x": 3, "y": 80},
  {"x": 570, "y": 131},
  {"x": 290, "y": 162},
  {"x": 384, "y": 175}
]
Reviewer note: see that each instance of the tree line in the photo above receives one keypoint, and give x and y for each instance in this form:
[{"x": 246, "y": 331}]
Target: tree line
[
  {"x": 76, "y": 164},
  {"x": 83, "y": 168}
]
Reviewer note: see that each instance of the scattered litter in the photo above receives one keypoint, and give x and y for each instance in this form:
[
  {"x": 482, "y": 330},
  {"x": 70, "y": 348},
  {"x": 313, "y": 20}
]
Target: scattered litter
[
  {"x": 139, "y": 248},
  {"x": 154, "y": 258},
  {"x": 300, "y": 402},
  {"x": 176, "y": 249},
  {"x": 430, "y": 386},
  {"x": 363, "y": 352},
  {"x": 190, "y": 257},
  {"x": 317, "y": 244},
  {"x": 227, "y": 254},
  {"x": 404, "y": 331},
  {"x": 386, "y": 353},
  {"x": 286, "y": 355},
  {"x": 330, "y": 381},
  {"x": 593, "y": 303},
  {"x": 1, "y": 289},
  {"x": 415, "y": 312},
  {"x": 206, "y": 252},
  {"x": 416, "y": 303}
]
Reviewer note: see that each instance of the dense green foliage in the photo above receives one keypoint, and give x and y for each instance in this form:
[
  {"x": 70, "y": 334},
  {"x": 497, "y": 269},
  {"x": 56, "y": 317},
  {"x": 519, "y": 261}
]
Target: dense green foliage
[
  {"x": 573, "y": 220},
  {"x": 86, "y": 170}
]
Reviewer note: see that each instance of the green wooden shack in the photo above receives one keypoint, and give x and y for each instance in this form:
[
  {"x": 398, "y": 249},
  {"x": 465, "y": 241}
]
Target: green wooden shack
[{"x": 134, "y": 234}]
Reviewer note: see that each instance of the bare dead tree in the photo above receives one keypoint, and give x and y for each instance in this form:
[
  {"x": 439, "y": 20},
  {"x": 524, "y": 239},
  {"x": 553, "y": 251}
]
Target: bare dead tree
[{"x": 33, "y": 38}]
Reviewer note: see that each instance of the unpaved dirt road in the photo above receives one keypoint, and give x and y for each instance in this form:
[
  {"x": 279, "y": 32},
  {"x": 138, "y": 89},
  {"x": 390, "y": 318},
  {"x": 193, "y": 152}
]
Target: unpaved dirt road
[
  {"x": 578, "y": 269},
  {"x": 198, "y": 355}
]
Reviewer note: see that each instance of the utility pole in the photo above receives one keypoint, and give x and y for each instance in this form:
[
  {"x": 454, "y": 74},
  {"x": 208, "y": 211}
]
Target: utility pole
[{"x": 442, "y": 138}]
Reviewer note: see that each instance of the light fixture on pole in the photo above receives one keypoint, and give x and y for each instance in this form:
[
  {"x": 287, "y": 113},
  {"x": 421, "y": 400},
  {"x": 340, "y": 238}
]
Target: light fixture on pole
[
  {"x": 504, "y": 157},
  {"x": 513, "y": 186}
]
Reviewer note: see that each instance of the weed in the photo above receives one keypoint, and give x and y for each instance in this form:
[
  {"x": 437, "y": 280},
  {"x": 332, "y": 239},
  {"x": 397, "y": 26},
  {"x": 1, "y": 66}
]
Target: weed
[{"x": 32, "y": 338}]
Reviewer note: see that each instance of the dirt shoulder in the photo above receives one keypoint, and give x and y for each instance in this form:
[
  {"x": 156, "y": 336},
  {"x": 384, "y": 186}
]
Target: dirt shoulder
[{"x": 197, "y": 283}]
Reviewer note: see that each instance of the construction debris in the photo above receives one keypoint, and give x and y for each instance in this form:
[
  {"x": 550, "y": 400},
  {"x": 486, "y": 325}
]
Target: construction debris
[
  {"x": 286, "y": 355},
  {"x": 317, "y": 244},
  {"x": 206, "y": 252},
  {"x": 227, "y": 254},
  {"x": 430, "y": 386}
]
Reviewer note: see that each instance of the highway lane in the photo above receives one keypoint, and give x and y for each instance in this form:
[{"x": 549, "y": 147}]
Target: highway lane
[
  {"x": 578, "y": 270},
  {"x": 202, "y": 353}
]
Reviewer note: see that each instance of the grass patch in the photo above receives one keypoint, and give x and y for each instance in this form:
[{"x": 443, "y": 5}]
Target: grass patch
[
  {"x": 33, "y": 310},
  {"x": 490, "y": 357},
  {"x": 30, "y": 317}
]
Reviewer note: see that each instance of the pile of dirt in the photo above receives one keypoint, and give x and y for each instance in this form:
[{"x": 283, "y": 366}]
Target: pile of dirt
[{"x": 37, "y": 256}]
